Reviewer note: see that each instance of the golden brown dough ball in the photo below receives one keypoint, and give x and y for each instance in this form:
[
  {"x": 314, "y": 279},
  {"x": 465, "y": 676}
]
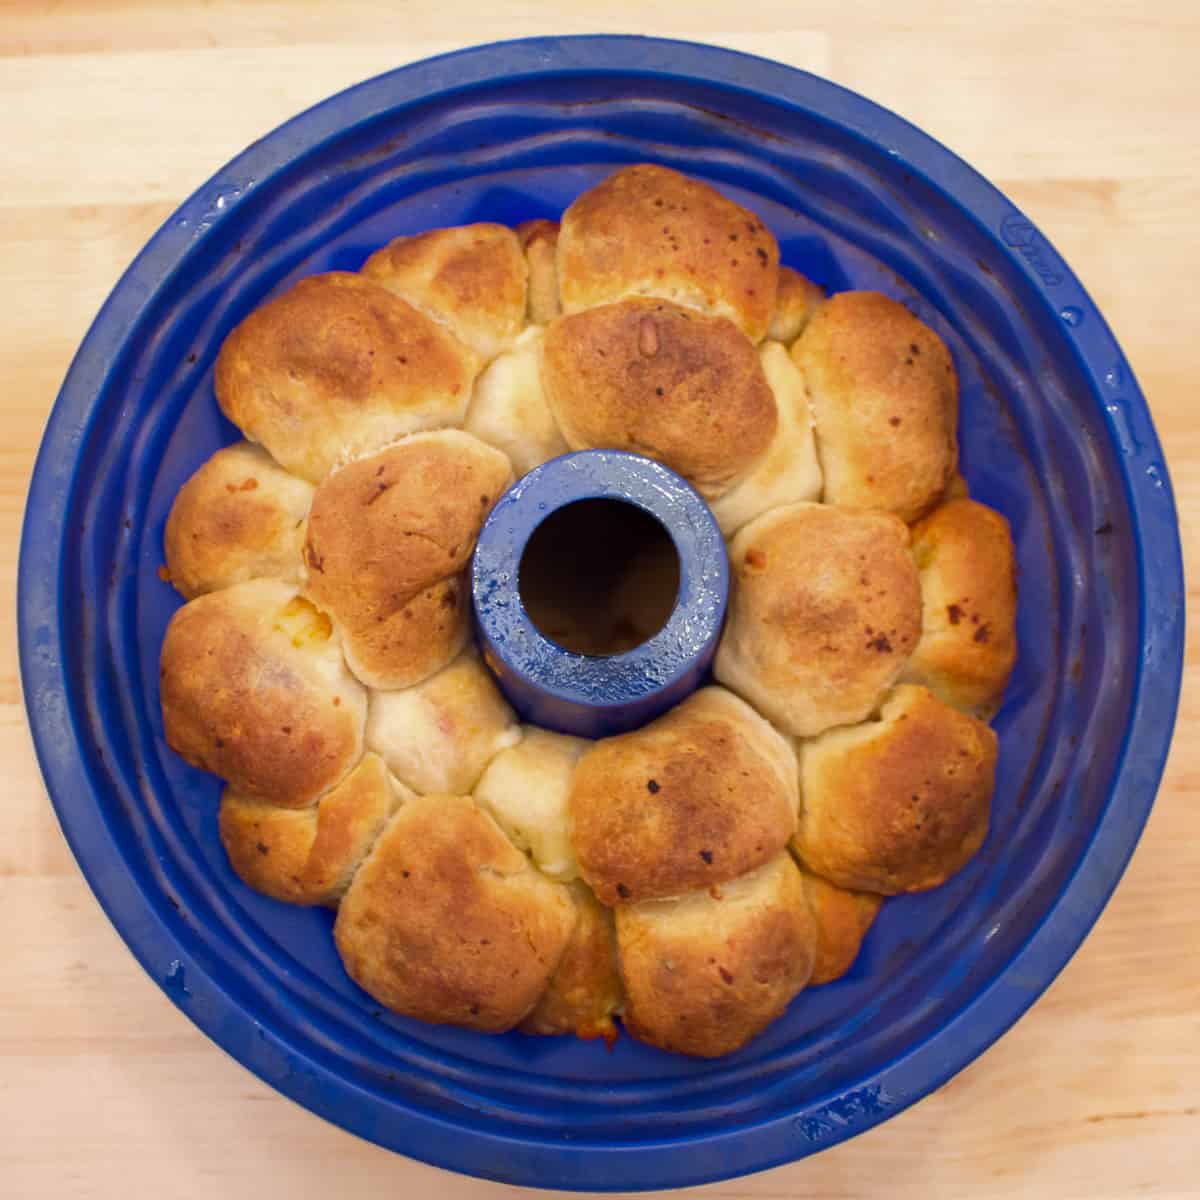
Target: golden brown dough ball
[
  {"x": 389, "y": 539},
  {"x": 899, "y": 804},
  {"x": 526, "y": 789},
  {"x": 651, "y": 377},
  {"x": 308, "y": 855},
  {"x": 470, "y": 278},
  {"x": 539, "y": 240},
  {"x": 824, "y": 612},
  {"x": 695, "y": 798},
  {"x": 843, "y": 919},
  {"x": 254, "y": 689},
  {"x": 336, "y": 367},
  {"x": 585, "y": 991},
  {"x": 884, "y": 396},
  {"x": 239, "y": 517},
  {"x": 509, "y": 409},
  {"x": 448, "y": 922},
  {"x": 795, "y": 302},
  {"x": 650, "y": 231},
  {"x": 968, "y": 645},
  {"x": 437, "y": 737},
  {"x": 788, "y": 471},
  {"x": 707, "y": 972}
]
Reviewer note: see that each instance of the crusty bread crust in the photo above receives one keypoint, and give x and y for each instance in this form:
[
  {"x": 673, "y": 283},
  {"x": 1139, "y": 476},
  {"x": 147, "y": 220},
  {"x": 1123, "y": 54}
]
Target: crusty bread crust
[
  {"x": 239, "y": 517},
  {"x": 704, "y": 974},
  {"x": 470, "y": 278},
  {"x": 652, "y": 377},
  {"x": 899, "y": 804},
  {"x": 964, "y": 551},
  {"x": 824, "y": 613},
  {"x": 338, "y": 366},
  {"x": 447, "y": 921},
  {"x": 254, "y": 689},
  {"x": 884, "y": 395},
  {"x": 309, "y": 855},
  {"x": 649, "y": 231},
  {"x": 694, "y": 799},
  {"x": 389, "y": 538}
]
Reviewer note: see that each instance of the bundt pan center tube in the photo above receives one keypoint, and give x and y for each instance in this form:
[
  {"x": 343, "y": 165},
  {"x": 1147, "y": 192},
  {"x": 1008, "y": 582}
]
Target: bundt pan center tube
[{"x": 599, "y": 584}]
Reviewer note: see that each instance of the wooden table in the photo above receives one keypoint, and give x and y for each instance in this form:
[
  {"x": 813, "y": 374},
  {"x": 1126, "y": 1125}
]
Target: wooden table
[{"x": 111, "y": 112}]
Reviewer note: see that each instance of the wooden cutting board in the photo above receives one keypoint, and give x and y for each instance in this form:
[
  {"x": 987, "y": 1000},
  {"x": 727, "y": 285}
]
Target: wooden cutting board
[{"x": 111, "y": 112}]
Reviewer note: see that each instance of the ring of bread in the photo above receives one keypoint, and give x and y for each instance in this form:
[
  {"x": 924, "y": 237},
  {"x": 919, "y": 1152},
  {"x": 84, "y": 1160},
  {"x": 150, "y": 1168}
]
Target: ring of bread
[{"x": 689, "y": 879}]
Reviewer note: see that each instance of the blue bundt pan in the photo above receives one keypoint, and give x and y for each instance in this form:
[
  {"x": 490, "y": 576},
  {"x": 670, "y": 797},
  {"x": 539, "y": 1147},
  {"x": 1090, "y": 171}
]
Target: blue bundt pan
[{"x": 1055, "y": 434}]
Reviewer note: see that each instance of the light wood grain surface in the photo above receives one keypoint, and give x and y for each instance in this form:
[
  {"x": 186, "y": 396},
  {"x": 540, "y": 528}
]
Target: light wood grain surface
[{"x": 111, "y": 112}]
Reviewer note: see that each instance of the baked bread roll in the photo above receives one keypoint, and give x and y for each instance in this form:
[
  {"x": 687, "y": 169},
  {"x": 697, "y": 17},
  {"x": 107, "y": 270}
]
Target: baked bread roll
[
  {"x": 788, "y": 470},
  {"x": 692, "y": 876},
  {"x": 338, "y": 366},
  {"x": 471, "y": 278},
  {"x": 884, "y": 397},
  {"x": 509, "y": 409},
  {"x": 447, "y": 921},
  {"x": 651, "y": 377},
  {"x": 389, "y": 539},
  {"x": 824, "y": 612},
  {"x": 526, "y": 789},
  {"x": 843, "y": 919},
  {"x": 968, "y": 644},
  {"x": 437, "y": 737},
  {"x": 254, "y": 689},
  {"x": 539, "y": 240},
  {"x": 899, "y": 804},
  {"x": 585, "y": 991},
  {"x": 239, "y": 517},
  {"x": 697, "y": 797},
  {"x": 707, "y": 972},
  {"x": 796, "y": 299},
  {"x": 308, "y": 855},
  {"x": 650, "y": 231}
]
